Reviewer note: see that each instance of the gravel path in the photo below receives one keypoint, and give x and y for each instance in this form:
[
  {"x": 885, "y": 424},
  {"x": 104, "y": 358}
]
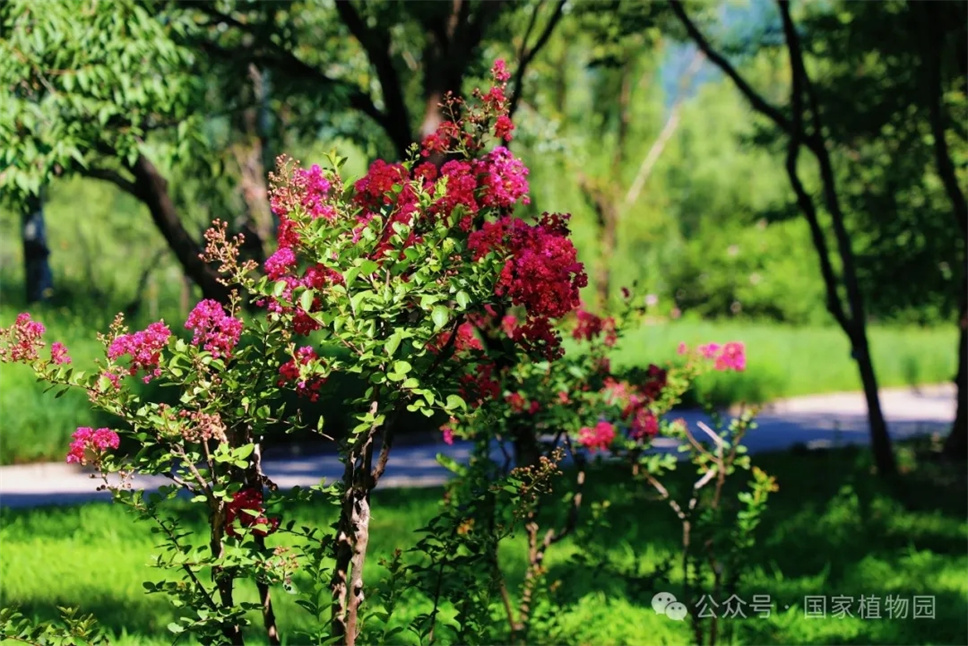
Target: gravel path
[{"x": 814, "y": 422}]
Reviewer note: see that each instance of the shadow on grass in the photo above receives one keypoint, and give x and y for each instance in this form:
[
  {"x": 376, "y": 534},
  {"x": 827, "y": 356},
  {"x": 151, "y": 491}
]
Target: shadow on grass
[{"x": 833, "y": 529}]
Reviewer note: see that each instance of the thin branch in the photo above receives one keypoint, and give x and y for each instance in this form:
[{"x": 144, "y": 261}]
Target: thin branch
[
  {"x": 113, "y": 176},
  {"x": 664, "y": 494},
  {"x": 805, "y": 203},
  {"x": 757, "y": 100},
  {"x": 525, "y": 56},
  {"x": 206, "y": 488},
  {"x": 191, "y": 574},
  {"x": 280, "y": 58},
  {"x": 377, "y": 47},
  {"x": 832, "y": 202},
  {"x": 801, "y": 86},
  {"x": 645, "y": 169}
]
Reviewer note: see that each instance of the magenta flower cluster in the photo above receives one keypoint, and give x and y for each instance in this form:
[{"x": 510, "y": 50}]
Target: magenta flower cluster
[
  {"x": 22, "y": 339},
  {"x": 87, "y": 439},
  {"x": 143, "y": 347},
  {"x": 597, "y": 438},
  {"x": 215, "y": 330},
  {"x": 731, "y": 356}
]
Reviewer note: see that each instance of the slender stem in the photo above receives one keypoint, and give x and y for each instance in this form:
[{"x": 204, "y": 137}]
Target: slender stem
[{"x": 188, "y": 570}]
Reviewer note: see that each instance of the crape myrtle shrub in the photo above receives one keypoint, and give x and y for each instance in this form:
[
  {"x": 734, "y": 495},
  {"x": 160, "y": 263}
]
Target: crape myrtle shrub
[
  {"x": 415, "y": 280},
  {"x": 541, "y": 415}
]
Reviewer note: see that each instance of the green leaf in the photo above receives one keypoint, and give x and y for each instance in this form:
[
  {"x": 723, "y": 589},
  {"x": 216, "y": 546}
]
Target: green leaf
[
  {"x": 462, "y": 299},
  {"x": 350, "y": 275},
  {"x": 440, "y": 315},
  {"x": 393, "y": 342},
  {"x": 367, "y": 267},
  {"x": 306, "y": 300},
  {"x": 454, "y": 402}
]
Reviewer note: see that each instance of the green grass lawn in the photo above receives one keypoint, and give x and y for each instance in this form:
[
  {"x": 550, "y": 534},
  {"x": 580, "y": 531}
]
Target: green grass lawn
[
  {"x": 832, "y": 529},
  {"x": 782, "y": 361}
]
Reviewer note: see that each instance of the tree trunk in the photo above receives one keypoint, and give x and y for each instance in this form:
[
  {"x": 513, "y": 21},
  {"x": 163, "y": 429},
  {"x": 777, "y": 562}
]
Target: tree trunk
[
  {"x": 254, "y": 157},
  {"x": 152, "y": 189},
  {"x": 956, "y": 445},
  {"x": 527, "y": 451},
  {"x": 853, "y": 320},
  {"x": 603, "y": 281},
  {"x": 932, "y": 22},
  {"x": 880, "y": 439},
  {"x": 38, "y": 279}
]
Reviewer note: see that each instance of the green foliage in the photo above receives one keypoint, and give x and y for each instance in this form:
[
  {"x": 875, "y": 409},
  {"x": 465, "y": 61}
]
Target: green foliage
[
  {"x": 70, "y": 630},
  {"x": 88, "y": 82}
]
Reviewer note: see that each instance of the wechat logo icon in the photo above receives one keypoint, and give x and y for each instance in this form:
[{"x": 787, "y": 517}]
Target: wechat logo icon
[{"x": 664, "y": 603}]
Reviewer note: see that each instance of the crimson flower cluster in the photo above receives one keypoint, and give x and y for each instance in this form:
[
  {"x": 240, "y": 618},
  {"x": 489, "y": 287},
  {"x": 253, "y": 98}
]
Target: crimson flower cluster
[
  {"x": 518, "y": 404},
  {"x": 291, "y": 371},
  {"x": 589, "y": 327},
  {"x": 215, "y": 330},
  {"x": 87, "y": 439},
  {"x": 542, "y": 274},
  {"x": 491, "y": 116},
  {"x": 247, "y": 507}
]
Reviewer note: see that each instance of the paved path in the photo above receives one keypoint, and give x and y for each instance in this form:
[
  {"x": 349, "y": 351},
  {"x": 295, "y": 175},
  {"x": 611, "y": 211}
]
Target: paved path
[{"x": 813, "y": 422}]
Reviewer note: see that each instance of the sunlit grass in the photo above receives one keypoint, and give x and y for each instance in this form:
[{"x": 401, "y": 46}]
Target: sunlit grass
[
  {"x": 832, "y": 529},
  {"x": 785, "y": 361}
]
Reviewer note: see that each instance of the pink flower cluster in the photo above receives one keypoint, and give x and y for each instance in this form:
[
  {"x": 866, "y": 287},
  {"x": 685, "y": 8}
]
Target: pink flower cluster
[
  {"x": 315, "y": 193},
  {"x": 291, "y": 372},
  {"x": 247, "y": 507},
  {"x": 598, "y": 438},
  {"x": 306, "y": 188},
  {"x": 215, "y": 330},
  {"x": 58, "y": 353},
  {"x": 447, "y": 432},
  {"x": 731, "y": 356},
  {"x": 143, "y": 347},
  {"x": 87, "y": 439},
  {"x": 503, "y": 179},
  {"x": 634, "y": 401},
  {"x": 21, "y": 341}
]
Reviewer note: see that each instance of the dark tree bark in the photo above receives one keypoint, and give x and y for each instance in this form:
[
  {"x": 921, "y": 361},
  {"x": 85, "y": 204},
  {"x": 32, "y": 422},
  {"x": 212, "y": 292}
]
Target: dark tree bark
[
  {"x": 932, "y": 23},
  {"x": 253, "y": 154},
  {"x": 151, "y": 187},
  {"x": 851, "y": 318},
  {"x": 38, "y": 279},
  {"x": 956, "y": 444}
]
